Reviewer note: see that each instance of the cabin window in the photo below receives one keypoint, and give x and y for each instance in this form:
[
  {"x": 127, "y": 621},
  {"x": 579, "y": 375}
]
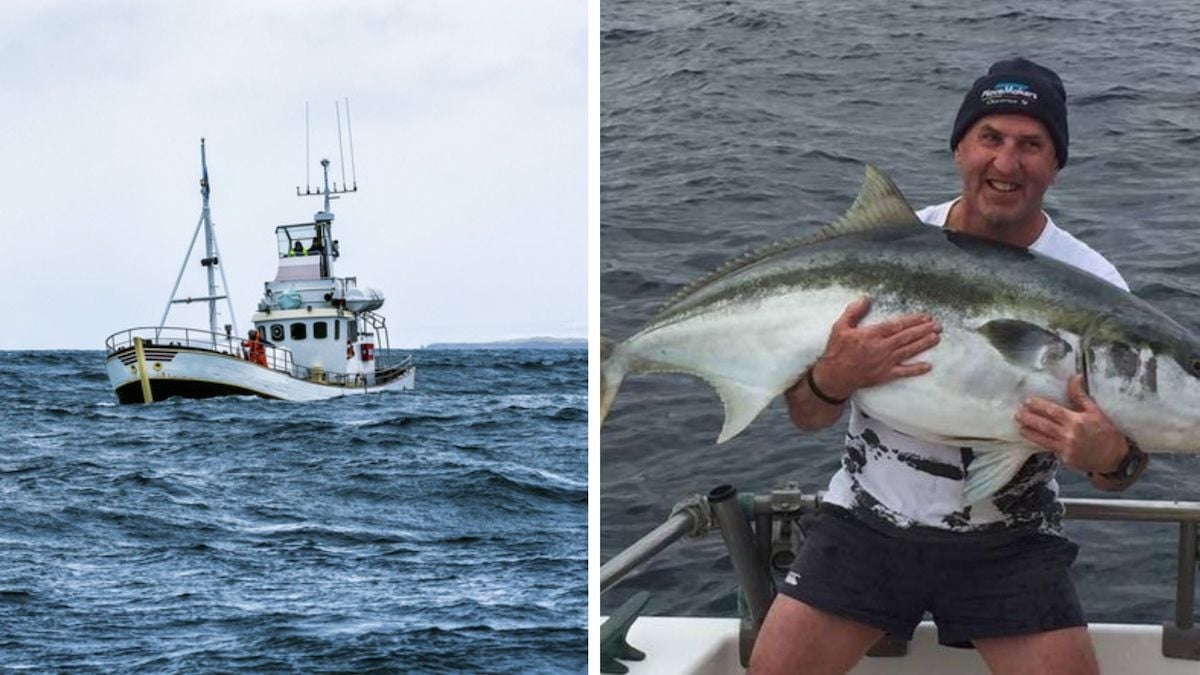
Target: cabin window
[
  {"x": 299, "y": 331},
  {"x": 320, "y": 330},
  {"x": 277, "y": 332},
  {"x": 337, "y": 329}
]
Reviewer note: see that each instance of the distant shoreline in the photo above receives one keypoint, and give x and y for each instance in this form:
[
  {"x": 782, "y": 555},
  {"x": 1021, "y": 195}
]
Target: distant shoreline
[{"x": 524, "y": 343}]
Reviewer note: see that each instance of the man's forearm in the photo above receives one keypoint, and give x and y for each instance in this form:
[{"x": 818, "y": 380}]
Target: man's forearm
[{"x": 807, "y": 411}]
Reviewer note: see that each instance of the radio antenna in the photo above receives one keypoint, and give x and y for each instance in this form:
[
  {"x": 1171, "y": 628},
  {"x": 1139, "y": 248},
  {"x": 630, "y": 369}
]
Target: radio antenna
[
  {"x": 325, "y": 163},
  {"x": 307, "y": 168},
  {"x": 337, "y": 106},
  {"x": 350, "y": 135}
]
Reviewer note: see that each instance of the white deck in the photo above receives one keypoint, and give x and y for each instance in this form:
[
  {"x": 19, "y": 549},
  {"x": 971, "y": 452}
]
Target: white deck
[{"x": 704, "y": 646}]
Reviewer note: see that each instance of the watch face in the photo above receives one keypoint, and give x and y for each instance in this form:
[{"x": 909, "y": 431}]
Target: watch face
[
  {"x": 1130, "y": 466},
  {"x": 1134, "y": 463}
]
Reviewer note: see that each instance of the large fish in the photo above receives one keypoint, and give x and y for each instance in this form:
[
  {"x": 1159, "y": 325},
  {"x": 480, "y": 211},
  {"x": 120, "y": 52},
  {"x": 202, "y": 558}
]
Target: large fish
[{"x": 1014, "y": 324}]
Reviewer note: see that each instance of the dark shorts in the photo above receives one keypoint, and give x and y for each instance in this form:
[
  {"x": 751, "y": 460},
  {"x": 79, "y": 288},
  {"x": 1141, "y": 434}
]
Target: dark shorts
[{"x": 976, "y": 585}]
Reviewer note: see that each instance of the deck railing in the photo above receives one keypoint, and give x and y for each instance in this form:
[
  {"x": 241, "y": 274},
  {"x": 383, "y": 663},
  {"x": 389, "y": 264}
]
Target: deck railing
[
  {"x": 756, "y": 552},
  {"x": 278, "y": 358}
]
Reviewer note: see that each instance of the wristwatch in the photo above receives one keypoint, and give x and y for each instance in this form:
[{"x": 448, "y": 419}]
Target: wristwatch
[{"x": 1130, "y": 468}]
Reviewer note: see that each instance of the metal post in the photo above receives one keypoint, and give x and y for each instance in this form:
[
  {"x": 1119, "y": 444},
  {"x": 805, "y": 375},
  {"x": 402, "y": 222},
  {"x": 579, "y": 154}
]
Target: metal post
[
  {"x": 1181, "y": 638},
  {"x": 143, "y": 373},
  {"x": 1185, "y": 587},
  {"x": 736, "y": 533},
  {"x": 763, "y": 540}
]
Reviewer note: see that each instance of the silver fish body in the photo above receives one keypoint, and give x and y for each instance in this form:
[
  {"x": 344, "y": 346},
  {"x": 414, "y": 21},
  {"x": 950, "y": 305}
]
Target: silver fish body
[{"x": 1014, "y": 324}]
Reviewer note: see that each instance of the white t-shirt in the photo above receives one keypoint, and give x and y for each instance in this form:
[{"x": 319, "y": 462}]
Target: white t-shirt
[{"x": 895, "y": 480}]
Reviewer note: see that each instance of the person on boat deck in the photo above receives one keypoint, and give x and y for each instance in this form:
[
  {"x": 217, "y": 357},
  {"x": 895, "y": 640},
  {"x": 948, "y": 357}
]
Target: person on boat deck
[
  {"x": 317, "y": 247},
  {"x": 256, "y": 352},
  {"x": 894, "y": 537},
  {"x": 297, "y": 249}
]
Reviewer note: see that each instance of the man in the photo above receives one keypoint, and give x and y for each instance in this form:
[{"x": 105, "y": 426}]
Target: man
[
  {"x": 895, "y": 538},
  {"x": 256, "y": 351}
]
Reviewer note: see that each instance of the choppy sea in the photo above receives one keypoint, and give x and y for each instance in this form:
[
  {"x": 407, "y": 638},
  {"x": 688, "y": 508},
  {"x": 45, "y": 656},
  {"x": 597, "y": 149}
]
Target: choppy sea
[
  {"x": 433, "y": 531},
  {"x": 727, "y": 125}
]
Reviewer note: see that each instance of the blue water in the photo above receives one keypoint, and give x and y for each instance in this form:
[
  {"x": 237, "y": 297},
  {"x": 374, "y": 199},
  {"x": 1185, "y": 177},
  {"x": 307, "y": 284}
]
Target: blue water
[
  {"x": 438, "y": 530},
  {"x": 729, "y": 125}
]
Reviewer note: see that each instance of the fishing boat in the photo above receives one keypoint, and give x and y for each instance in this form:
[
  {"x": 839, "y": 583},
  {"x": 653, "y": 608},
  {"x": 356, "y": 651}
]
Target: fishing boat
[
  {"x": 761, "y": 543},
  {"x": 315, "y": 335}
]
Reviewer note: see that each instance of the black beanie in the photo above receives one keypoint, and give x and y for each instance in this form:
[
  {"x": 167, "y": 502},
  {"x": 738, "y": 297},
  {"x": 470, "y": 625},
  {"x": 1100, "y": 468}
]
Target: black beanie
[{"x": 1017, "y": 86}]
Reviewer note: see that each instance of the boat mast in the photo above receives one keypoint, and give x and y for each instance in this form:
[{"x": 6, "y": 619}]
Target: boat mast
[{"x": 211, "y": 259}]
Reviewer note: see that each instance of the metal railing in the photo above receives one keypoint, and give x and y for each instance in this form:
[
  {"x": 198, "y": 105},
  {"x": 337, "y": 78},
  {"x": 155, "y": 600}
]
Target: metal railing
[
  {"x": 755, "y": 555},
  {"x": 278, "y": 358}
]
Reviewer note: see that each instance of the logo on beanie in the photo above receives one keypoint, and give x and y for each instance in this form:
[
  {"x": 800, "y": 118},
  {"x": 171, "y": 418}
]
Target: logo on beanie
[{"x": 1015, "y": 93}]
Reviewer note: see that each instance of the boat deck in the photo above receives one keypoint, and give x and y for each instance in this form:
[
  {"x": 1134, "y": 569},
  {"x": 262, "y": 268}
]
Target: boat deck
[{"x": 709, "y": 646}]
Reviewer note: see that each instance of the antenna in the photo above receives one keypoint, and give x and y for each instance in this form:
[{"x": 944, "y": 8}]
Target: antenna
[
  {"x": 307, "y": 161},
  {"x": 337, "y": 107},
  {"x": 308, "y": 190},
  {"x": 350, "y": 134}
]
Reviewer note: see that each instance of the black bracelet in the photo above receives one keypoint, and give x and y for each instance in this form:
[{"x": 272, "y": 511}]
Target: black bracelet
[{"x": 812, "y": 386}]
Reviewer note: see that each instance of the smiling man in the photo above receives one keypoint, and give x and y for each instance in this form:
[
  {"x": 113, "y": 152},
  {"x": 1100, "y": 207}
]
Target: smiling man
[{"x": 895, "y": 537}]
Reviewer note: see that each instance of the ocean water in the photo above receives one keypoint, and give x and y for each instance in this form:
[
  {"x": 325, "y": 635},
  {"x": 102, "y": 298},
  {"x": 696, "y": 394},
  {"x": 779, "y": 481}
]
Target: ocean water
[
  {"x": 729, "y": 125},
  {"x": 433, "y": 531}
]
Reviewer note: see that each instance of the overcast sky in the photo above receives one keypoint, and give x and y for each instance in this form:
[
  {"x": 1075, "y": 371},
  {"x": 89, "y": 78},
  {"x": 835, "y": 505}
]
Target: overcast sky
[{"x": 470, "y": 143}]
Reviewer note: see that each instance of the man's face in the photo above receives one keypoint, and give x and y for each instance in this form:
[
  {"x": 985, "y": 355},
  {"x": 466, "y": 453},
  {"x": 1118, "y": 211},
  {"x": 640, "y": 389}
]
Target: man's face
[{"x": 1007, "y": 163}]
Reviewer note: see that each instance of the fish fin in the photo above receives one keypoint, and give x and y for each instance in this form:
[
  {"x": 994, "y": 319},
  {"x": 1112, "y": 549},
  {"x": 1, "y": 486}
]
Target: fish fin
[
  {"x": 991, "y": 470},
  {"x": 879, "y": 205},
  {"x": 742, "y": 405},
  {"x": 612, "y": 372},
  {"x": 1023, "y": 343}
]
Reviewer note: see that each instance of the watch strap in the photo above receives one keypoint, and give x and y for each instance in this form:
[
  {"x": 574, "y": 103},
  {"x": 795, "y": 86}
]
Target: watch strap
[{"x": 1131, "y": 466}]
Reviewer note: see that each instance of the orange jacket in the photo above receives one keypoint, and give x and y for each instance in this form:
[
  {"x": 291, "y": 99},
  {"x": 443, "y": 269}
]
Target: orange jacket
[{"x": 255, "y": 351}]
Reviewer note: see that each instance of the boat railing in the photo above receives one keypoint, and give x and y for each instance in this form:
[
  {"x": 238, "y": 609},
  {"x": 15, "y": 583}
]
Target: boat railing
[
  {"x": 767, "y": 546},
  {"x": 278, "y": 358},
  {"x": 389, "y": 366}
]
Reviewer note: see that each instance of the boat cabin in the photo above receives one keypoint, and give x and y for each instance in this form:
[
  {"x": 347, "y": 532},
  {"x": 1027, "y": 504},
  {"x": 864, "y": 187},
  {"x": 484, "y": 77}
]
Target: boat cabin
[
  {"x": 306, "y": 251},
  {"x": 325, "y": 322}
]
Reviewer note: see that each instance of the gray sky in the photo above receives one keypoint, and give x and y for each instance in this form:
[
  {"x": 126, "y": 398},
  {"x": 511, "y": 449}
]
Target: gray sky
[{"x": 470, "y": 140}]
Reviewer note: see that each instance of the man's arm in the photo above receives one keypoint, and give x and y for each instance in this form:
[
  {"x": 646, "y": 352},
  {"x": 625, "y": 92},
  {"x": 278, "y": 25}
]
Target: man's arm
[
  {"x": 807, "y": 410},
  {"x": 856, "y": 357}
]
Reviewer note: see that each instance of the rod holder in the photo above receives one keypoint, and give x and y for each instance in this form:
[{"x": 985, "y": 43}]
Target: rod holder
[{"x": 750, "y": 571}]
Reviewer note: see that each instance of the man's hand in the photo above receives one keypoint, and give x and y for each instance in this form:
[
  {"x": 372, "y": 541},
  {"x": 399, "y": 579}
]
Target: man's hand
[
  {"x": 1082, "y": 435},
  {"x": 856, "y": 356}
]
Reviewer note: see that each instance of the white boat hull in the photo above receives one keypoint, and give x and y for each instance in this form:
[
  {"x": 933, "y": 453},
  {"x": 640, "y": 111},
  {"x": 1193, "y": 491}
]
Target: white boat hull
[
  {"x": 709, "y": 646},
  {"x": 190, "y": 372}
]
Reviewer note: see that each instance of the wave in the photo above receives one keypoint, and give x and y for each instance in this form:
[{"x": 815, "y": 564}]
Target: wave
[
  {"x": 502, "y": 485},
  {"x": 1117, "y": 93},
  {"x": 617, "y": 36}
]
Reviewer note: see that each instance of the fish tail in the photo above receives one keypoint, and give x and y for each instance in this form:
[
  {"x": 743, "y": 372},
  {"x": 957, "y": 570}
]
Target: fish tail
[{"x": 612, "y": 373}]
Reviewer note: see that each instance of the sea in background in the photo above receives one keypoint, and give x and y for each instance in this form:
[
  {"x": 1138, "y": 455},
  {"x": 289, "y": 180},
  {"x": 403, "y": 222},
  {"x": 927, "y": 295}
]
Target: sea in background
[
  {"x": 433, "y": 531},
  {"x": 728, "y": 125}
]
